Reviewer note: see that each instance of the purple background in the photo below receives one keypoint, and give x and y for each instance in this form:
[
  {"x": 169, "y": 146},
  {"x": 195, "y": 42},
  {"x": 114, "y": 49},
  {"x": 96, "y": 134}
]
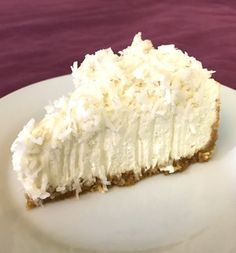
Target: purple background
[{"x": 41, "y": 39}]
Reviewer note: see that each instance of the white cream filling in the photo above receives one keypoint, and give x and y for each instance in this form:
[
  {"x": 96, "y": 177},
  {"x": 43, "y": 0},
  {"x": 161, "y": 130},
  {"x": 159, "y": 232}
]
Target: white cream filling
[{"x": 144, "y": 108}]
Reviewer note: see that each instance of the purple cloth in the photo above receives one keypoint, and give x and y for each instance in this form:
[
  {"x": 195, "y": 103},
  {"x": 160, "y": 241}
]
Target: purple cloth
[{"x": 41, "y": 39}]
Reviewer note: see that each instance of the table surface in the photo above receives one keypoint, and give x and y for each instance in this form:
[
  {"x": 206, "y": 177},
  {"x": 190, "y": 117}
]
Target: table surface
[{"x": 41, "y": 39}]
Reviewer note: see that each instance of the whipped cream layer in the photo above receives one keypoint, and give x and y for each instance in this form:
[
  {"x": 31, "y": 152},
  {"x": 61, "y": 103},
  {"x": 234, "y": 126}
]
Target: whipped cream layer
[{"x": 137, "y": 109}]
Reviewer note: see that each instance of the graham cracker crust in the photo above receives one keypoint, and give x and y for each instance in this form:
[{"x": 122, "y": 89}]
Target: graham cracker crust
[{"x": 129, "y": 178}]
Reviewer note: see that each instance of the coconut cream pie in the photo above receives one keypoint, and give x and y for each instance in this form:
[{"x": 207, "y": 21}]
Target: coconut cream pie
[{"x": 134, "y": 114}]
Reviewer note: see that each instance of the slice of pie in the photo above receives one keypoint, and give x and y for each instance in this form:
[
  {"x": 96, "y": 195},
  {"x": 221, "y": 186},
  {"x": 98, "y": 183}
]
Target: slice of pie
[{"x": 134, "y": 114}]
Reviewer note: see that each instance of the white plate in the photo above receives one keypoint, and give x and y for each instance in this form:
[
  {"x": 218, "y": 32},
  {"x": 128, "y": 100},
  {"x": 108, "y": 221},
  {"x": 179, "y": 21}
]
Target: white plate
[{"x": 193, "y": 211}]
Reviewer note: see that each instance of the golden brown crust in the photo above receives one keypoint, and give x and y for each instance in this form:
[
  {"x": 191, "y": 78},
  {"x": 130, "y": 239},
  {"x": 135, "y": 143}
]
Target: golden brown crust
[{"x": 129, "y": 178}]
